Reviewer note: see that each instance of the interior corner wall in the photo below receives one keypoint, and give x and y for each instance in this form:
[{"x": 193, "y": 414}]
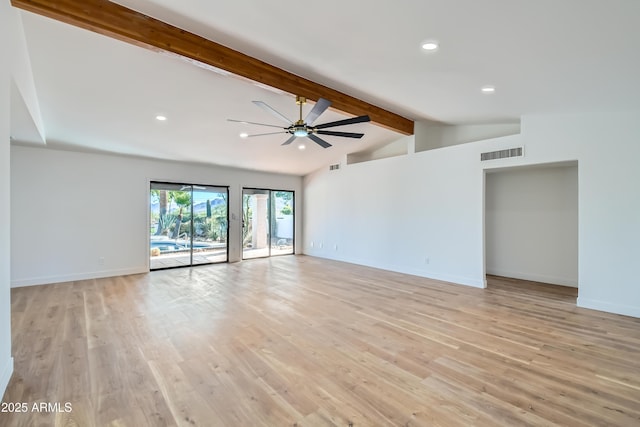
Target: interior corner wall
[
  {"x": 423, "y": 213},
  {"x": 6, "y": 361},
  {"x": 531, "y": 224},
  {"x": 73, "y": 209},
  {"x": 22, "y": 76}
]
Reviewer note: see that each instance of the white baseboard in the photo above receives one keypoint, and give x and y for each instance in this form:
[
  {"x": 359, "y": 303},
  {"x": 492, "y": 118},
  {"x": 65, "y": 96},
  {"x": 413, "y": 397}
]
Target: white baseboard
[
  {"x": 33, "y": 281},
  {"x": 5, "y": 376},
  {"x": 608, "y": 307},
  {"x": 562, "y": 281}
]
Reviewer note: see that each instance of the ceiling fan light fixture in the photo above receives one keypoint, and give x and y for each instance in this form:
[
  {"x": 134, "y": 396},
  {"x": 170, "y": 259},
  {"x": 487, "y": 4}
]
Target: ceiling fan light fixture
[{"x": 300, "y": 131}]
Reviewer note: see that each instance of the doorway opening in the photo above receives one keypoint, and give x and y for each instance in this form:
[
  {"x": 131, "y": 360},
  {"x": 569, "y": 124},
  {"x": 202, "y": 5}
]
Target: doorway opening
[
  {"x": 531, "y": 224},
  {"x": 188, "y": 225},
  {"x": 268, "y": 223}
]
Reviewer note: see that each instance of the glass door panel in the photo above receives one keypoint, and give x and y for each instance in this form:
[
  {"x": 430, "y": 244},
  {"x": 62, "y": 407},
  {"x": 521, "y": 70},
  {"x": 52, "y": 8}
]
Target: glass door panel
[
  {"x": 282, "y": 224},
  {"x": 210, "y": 212},
  {"x": 170, "y": 233},
  {"x": 255, "y": 223}
]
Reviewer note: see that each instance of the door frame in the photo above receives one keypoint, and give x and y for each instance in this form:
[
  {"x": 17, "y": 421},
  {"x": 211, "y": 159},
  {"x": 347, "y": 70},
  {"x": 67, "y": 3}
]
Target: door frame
[
  {"x": 270, "y": 191},
  {"x": 192, "y": 185}
]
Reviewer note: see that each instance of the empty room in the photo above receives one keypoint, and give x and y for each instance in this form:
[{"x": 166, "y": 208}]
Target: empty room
[{"x": 413, "y": 213}]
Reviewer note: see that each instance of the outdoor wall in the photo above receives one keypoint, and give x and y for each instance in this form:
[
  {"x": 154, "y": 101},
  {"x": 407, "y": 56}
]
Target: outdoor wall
[
  {"x": 531, "y": 224},
  {"x": 6, "y": 37},
  {"x": 397, "y": 212},
  {"x": 69, "y": 209}
]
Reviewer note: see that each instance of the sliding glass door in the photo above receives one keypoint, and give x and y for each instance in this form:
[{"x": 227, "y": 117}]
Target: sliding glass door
[
  {"x": 267, "y": 223},
  {"x": 188, "y": 225}
]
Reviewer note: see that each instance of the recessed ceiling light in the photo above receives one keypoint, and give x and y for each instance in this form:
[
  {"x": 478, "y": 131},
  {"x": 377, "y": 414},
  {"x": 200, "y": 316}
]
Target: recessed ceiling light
[
  {"x": 244, "y": 135},
  {"x": 161, "y": 118},
  {"x": 430, "y": 45},
  {"x": 301, "y": 147},
  {"x": 488, "y": 89}
]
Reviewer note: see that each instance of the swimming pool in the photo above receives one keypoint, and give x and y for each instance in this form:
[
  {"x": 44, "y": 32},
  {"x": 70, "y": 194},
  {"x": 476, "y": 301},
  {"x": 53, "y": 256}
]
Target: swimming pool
[{"x": 172, "y": 246}]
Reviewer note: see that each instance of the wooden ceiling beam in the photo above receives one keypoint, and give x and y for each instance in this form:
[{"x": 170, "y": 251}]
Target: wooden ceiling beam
[{"x": 113, "y": 20}]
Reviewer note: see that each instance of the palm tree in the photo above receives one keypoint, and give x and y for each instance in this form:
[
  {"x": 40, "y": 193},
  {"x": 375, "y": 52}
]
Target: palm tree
[
  {"x": 183, "y": 200},
  {"x": 162, "y": 199}
]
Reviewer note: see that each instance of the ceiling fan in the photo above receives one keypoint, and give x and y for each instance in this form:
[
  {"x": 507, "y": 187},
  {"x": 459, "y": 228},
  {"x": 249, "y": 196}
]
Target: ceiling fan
[{"x": 305, "y": 128}]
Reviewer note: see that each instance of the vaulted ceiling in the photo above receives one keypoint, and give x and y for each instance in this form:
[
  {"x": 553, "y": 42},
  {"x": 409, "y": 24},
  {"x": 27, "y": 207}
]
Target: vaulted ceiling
[{"x": 99, "y": 93}]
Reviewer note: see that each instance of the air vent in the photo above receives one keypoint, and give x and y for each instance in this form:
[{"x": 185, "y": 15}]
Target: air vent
[
  {"x": 334, "y": 167},
  {"x": 502, "y": 154}
]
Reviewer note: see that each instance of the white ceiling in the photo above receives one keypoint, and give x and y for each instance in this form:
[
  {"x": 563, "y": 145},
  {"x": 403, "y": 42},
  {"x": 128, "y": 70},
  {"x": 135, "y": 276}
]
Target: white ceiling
[{"x": 545, "y": 56}]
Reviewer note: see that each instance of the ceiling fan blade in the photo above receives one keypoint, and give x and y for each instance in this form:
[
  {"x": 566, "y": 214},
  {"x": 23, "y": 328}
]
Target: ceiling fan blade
[
  {"x": 320, "y": 107},
  {"x": 263, "y": 134},
  {"x": 272, "y": 111},
  {"x": 359, "y": 119},
  {"x": 321, "y": 142},
  {"x": 345, "y": 134},
  {"x": 290, "y": 140},
  {"x": 254, "y": 123}
]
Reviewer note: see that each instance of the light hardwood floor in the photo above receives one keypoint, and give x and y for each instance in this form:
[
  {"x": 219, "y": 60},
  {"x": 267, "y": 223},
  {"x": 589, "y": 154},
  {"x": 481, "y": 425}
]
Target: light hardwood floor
[{"x": 300, "y": 341}]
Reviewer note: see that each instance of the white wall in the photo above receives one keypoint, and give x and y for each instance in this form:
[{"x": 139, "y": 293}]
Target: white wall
[
  {"x": 69, "y": 209},
  {"x": 6, "y": 361},
  {"x": 399, "y": 147},
  {"x": 531, "y": 224},
  {"x": 609, "y": 202},
  {"x": 393, "y": 213},
  {"x": 431, "y": 135}
]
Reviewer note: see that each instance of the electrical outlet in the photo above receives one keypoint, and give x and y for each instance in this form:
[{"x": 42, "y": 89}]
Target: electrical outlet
[
  {"x": 311, "y": 244},
  {"x": 101, "y": 260},
  {"x": 426, "y": 260},
  {"x": 335, "y": 247}
]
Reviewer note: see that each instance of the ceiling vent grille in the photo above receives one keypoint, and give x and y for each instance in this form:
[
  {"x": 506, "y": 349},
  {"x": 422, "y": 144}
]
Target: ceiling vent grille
[
  {"x": 502, "y": 154},
  {"x": 334, "y": 167}
]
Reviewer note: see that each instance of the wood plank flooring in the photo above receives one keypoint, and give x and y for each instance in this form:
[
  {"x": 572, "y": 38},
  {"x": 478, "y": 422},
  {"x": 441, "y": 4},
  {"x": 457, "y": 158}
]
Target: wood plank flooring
[{"x": 301, "y": 341}]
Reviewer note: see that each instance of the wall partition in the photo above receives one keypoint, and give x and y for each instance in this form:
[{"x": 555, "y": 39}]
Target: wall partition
[
  {"x": 188, "y": 225},
  {"x": 267, "y": 223}
]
